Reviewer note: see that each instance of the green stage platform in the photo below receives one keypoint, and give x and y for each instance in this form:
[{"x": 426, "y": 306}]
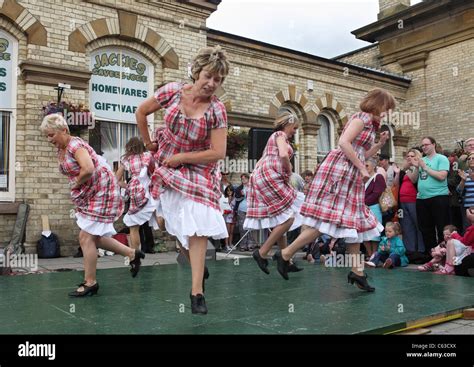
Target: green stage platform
[{"x": 241, "y": 300}]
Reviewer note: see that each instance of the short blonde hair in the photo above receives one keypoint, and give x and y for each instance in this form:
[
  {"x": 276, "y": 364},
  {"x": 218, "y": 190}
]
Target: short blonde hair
[
  {"x": 55, "y": 121},
  {"x": 395, "y": 226},
  {"x": 212, "y": 58},
  {"x": 378, "y": 100},
  {"x": 284, "y": 118},
  {"x": 416, "y": 152}
]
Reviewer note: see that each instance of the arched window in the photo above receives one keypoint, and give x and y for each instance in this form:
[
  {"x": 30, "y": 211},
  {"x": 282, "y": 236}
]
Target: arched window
[
  {"x": 388, "y": 149},
  {"x": 8, "y": 85},
  {"x": 121, "y": 80},
  {"x": 325, "y": 137}
]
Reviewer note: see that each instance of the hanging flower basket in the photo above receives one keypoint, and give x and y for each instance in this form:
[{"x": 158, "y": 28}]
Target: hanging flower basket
[{"x": 78, "y": 117}]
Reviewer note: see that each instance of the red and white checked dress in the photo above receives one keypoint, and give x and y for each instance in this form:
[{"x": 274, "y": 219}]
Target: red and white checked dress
[
  {"x": 190, "y": 198},
  {"x": 335, "y": 201},
  {"x": 136, "y": 164},
  {"x": 142, "y": 205},
  {"x": 98, "y": 201},
  {"x": 271, "y": 200}
]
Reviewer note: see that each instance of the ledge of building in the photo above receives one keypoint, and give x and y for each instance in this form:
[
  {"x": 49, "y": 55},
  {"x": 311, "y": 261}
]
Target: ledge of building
[
  {"x": 38, "y": 73},
  {"x": 9, "y": 208},
  {"x": 249, "y": 120},
  {"x": 219, "y": 37},
  {"x": 413, "y": 17}
]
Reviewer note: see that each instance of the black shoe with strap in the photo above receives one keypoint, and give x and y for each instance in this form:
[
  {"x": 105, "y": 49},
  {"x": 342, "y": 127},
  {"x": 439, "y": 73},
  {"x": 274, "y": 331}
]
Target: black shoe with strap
[
  {"x": 136, "y": 262},
  {"x": 261, "y": 262},
  {"x": 293, "y": 268},
  {"x": 198, "y": 304},
  {"x": 86, "y": 290},
  {"x": 360, "y": 281}
]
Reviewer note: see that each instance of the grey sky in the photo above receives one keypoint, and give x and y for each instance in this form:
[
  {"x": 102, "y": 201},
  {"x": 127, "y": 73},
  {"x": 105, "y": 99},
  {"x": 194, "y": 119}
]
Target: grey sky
[{"x": 318, "y": 27}]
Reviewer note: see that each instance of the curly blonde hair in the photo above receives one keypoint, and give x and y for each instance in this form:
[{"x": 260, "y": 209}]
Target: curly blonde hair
[
  {"x": 55, "y": 121},
  {"x": 212, "y": 58}
]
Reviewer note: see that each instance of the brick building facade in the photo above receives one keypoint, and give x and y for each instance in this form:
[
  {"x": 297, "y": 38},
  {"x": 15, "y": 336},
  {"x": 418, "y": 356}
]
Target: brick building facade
[{"x": 114, "y": 52}]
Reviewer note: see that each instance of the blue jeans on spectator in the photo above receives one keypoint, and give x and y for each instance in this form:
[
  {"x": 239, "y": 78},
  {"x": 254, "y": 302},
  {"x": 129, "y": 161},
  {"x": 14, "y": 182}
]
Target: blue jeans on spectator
[
  {"x": 381, "y": 257},
  {"x": 412, "y": 237}
]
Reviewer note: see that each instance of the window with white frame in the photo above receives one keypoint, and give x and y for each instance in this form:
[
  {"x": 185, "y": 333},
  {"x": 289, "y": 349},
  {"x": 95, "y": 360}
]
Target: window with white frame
[
  {"x": 325, "y": 137},
  {"x": 121, "y": 80},
  {"x": 388, "y": 148},
  {"x": 8, "y": 81}
]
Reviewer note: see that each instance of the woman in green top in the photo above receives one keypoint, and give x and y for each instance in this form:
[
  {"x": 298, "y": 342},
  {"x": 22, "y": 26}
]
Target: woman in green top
[{"x": 432, "y": 200}]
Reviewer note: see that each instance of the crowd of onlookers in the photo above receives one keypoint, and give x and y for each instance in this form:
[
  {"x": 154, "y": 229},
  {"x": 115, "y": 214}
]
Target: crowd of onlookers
[{"x": 425, "y": 203}]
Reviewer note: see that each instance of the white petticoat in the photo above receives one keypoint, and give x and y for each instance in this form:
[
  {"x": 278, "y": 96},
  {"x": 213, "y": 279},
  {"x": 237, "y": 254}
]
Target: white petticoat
[
  {"x": 185, "y": 218},
  {"x": 95, "y": 228},
  {"x": 271, "y": 222},
  {"x": 349, "y": 234},
  {"x": 145, "y": 214}
]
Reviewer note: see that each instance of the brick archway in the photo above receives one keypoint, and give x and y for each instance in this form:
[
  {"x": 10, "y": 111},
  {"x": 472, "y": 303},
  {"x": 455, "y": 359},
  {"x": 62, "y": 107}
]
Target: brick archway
[
  {"x": 25, "y": 21},
  {"x": 293, "y": 95},
  {"x": 328, "y": 102},
  {"x": 126, "y": 27}
]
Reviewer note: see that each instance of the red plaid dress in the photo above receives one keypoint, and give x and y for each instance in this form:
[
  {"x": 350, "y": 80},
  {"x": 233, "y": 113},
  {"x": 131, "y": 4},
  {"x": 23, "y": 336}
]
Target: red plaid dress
[
  {"x": 198, "y": 182},
  {"x": 336, "y": 194},
  {"x": 270, "y": 192},
  {"x": 156, "y": 184},
  {"x": 137, "y": 192},
  {"x": 98, "y": 199}
]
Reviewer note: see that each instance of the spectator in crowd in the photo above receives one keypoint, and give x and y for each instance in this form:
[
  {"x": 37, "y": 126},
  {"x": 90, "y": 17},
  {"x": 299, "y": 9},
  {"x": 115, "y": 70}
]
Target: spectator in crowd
[
  {"x": 466, "y": 189},
  {"x": 230, "y": 216},
  {"x": 374, "y": 187},
  {"x": 406, "y": 179},
  {"x": 438, "y": 253},
  {"x": 384, "y": 162},
  {"x": 466, "y": 267},
  {"x": 250, "y": 241},
  {"x": 225, "y": 181},
  {"x": 432, "y": 201},
  {"x": 391, "y": 251},
  {"x": 469, "y": 148},
  {"x": 454, "y": 197},
  {"x": 457, "y": 249},
  {"x": 307, "y": 176}
]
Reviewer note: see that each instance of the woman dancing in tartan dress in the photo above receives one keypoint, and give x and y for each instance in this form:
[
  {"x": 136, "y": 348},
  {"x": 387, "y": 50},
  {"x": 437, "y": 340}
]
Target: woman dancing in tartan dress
[
  {"x": 96, "y": 195},
  {"x": 139, "y": 164},
  {"x": 335, "y": 201},
  {"x": 187, "y": 152},
  {"x": 271, "y": 201}
]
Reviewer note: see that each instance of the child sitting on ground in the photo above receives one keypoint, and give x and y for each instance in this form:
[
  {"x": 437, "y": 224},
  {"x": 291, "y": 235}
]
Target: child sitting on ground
[
  {"x": 391, "y": 250},
  {"x": 458, "y": 247},
  {"x": 439, "y": 252}
]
